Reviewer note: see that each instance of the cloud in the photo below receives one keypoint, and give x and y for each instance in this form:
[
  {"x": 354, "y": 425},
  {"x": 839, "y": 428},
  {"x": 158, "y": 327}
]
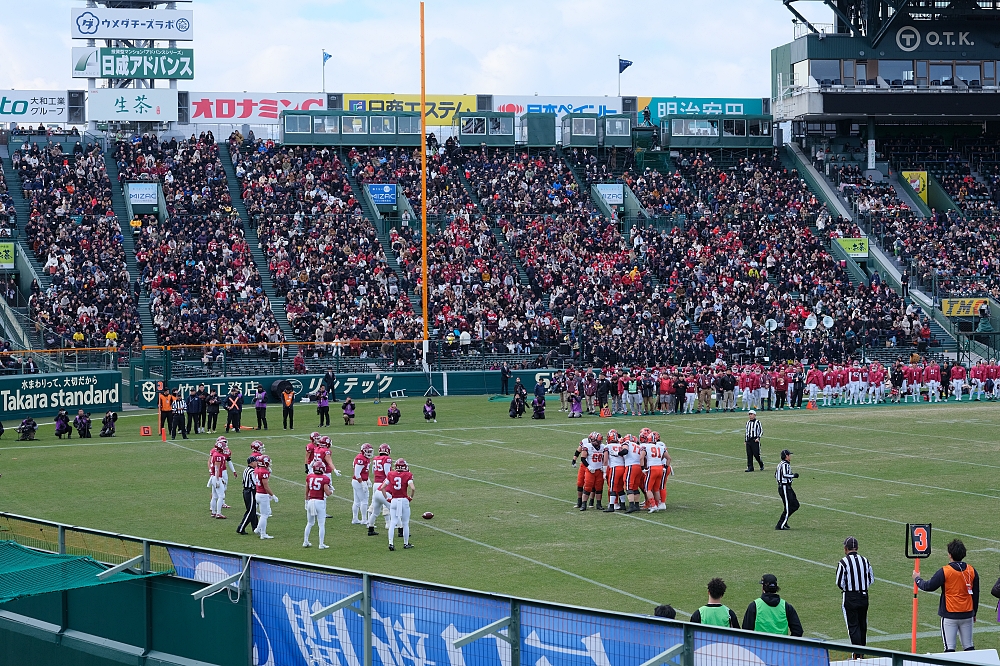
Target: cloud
[{"x": 562, "y": 47}]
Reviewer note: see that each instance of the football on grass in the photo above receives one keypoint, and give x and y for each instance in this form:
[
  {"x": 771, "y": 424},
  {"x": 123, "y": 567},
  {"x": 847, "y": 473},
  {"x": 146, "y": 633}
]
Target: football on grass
[{"x": 428, "y": 515}]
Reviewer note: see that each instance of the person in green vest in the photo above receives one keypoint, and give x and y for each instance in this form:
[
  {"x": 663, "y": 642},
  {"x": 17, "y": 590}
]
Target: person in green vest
[
  {"x": 770, "y": 614},
  {"x": 715, "y": 613}
]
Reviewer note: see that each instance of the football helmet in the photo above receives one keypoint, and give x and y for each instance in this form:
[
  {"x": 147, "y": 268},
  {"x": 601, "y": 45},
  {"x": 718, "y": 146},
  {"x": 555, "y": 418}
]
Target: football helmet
[
  {"x": 257, "y": 446},
  {"x": 367, "y": 450},
  {"x": 314, "y": 436},
  {"x": 384, "y": 450},
  {"x": 401, "y": 465},
  {"x": 265, "y": 461},
  {"x": 656, "y": 437},
  {"x": 613, "y": 436},
  {"x": 594, "y": 437},
  {"x": 318, "y": 467}
]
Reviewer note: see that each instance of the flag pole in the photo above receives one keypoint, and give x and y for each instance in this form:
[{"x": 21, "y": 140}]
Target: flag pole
[
  {"x": 423, "y": 176},
  {"x": 619, "y": 74},
  {"x": 323, "y": 57}
]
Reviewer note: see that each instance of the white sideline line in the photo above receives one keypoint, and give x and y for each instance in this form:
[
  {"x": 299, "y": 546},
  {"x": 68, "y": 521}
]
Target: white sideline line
[
  {"x": 977, "y": 628},
  {"x": 743, "y": 492},
  {"x": 652, "y": 522},
  {"x": 484, "y": 545}
]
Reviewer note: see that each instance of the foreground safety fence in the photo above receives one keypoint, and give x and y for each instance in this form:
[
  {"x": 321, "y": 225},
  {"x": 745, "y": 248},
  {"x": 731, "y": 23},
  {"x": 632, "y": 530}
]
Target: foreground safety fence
[{"x": 272, "y": 612}]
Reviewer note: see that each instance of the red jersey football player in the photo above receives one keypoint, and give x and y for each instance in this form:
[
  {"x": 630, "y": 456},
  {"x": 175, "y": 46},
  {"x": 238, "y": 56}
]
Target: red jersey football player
[
  {"x": 318, "y": 488},
  {"x": 359, "y": 483},
  {"x": 581, "y": 475},
  {"x": 310, "y": 448},
  {"x": 264, "y": 495},
  {"x": 216, "y": 466},
  {"x": 399, "y": 489},
  {"x": 381, "y": 465},
  {"x": 593, "y": 483}
]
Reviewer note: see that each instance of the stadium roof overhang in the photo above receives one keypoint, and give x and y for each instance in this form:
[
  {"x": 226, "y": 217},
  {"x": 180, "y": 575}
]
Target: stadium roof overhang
[
  {"x": 898, "y": 105},
  {"x": 25, "y": 572}
]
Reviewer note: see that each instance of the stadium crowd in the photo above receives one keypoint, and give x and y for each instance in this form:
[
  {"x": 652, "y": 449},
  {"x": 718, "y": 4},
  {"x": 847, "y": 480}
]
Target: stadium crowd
[
  {"x": 76, "y": 237},
  {"x": 196, "y": 266}
]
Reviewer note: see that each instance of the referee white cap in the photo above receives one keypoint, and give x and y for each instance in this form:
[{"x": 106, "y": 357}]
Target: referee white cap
[{"x": 752, "y": 411}]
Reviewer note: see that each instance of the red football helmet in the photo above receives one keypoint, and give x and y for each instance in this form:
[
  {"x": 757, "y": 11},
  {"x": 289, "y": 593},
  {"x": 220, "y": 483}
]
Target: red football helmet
[
  {"x": 366, "y": 450},
  {"x": 257, "y": 446},
  {"x": 613, "y": 436},
  {"x": 401, "y": 465}
]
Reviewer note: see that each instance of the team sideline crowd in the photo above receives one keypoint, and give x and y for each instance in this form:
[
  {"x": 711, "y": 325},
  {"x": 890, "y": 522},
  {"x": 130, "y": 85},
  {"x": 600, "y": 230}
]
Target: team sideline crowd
[{"x": 708, "y": 387}]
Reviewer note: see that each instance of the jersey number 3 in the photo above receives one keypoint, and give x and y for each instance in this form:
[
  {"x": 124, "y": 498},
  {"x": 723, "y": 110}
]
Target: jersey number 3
[{"x": 397, "y": 483}]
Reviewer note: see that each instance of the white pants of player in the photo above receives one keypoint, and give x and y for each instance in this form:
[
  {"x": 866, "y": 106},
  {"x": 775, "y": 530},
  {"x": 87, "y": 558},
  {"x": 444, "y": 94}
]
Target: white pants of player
[
  {"x": 880, "y": 392},
  {"x": 264, "y": 509},
  {"x": 360, "y": 506},
  {"x": 745, "y": 399},
  {"x": 218, "y": 495},
  {"x": 813, "y": 392},
  {"x": 380, "y": 505},
  {"x": 827, "y": 394},
  {"x": 315, "y": 514},
  {"x": 689, "y": 399},
  {"x": 872, "y": 393},
  {"x": 933, "y": 391},
  {"x": 956, "y": 388},
  {"x": 977, "y": 389},
  {"x": 764, "y": 394},
  {"x": 399, "y": 516}
]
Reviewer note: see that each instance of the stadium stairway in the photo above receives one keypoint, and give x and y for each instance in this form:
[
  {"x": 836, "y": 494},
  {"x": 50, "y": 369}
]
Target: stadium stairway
[
  {"x": 14, "y": 188},
  {"x": 250, "y": 231},
  {"x": 382, "y": 229},
  {"x": 522, "y": 274},
  {"x": 470, "y": 190},
  {"x": 577, "y": 176},
  {"x": 128, "y": 244}
]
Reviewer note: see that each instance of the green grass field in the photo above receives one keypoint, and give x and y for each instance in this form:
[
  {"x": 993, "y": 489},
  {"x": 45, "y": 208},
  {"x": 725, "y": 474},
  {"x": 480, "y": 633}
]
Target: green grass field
[{"x": 503, "y": 495}]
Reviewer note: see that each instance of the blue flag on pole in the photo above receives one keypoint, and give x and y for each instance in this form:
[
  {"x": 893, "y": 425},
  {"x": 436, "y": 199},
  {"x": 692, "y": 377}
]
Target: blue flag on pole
[
  {"x": 327, "y": 56},
  {"x": 710, "y": 340},
  {"x": 623, "y": 65}
]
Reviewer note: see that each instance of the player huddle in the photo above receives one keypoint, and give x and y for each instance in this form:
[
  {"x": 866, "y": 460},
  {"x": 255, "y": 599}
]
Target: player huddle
[
  {"x": 392, "y": 484},
  {"x": 634, "y": 468}
]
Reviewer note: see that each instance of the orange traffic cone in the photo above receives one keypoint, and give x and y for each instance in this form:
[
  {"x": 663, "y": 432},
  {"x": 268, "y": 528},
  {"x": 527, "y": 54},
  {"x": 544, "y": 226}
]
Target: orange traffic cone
[{"x": 811, "y": 405}]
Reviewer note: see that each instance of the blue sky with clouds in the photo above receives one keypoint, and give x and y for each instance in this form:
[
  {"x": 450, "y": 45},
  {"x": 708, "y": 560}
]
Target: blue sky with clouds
[{"x": 559, "y": 47}]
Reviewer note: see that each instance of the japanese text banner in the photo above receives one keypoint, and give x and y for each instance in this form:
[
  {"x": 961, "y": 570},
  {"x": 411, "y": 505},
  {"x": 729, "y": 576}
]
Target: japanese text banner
[
  {"x": 441, "y": 109},
  {"x": 129, "y": 104},
  {"x": 110, "y": 23},
  {"x": 132, "y": 63},
  {"x": 283, "y": 631},
  {"x": 252, "y": 108},
  {"x": 33, "y": 106}
]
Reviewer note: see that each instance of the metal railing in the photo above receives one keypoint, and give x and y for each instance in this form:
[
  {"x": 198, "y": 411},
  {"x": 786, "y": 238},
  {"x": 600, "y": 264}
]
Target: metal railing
[{"x": 450, "y": 619}]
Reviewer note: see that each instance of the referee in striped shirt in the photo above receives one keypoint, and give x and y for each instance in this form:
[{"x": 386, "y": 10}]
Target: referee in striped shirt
[
  {"x": 754, "y": 431},
  {"x": 249, "y": 496},
  {"x": 854, "y": 576},
  {"x": 783, "y": 475}
]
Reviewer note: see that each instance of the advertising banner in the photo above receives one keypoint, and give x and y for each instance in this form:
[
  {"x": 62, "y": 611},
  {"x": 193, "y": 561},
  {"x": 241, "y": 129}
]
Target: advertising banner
[
  {"x": 357, "y": 385},
  {"x": 252, "y": 108},
  {"x": 441, "y": 109},
  {"x": 559, "y": 105},
  {"x": 918, "y": 181},
  {"x": 612, "y": 193},
  {"x": 44, "y": 395},
  {"x": 284, "y": 634},
  {"x": 7, "y": 255},
  {"x": 412, "y": 625},
  {"x": 662, "y": 107},
  {"x": 962, "y": 307},
  {"x": 871, "y": 153},
  {"x": 143, "y": 194},
  {"x": 90, "y": 62},
  {"x": 577, "y": 639},
  {"x": 383, "y": 194},
  {"x": 856, "y": 248},
  {"x": 33, "y": 106},
  {"x": 203, "y": 567},
  {"x": 128, "y": 104},
  {"x": 104, "y": 23}
]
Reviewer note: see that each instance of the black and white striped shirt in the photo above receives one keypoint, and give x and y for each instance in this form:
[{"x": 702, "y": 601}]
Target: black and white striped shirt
[
  {"x": 248, "y": 479},
  {"x": 754, "y": 429},
  {"x": 783, "y": 475},
  {"x": 179, "y": 406},
  {"x": 854, "y": 573}
]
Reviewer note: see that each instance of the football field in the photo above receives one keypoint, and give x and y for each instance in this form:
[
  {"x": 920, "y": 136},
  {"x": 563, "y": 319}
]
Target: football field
[{"x": 503, "y": 494}]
